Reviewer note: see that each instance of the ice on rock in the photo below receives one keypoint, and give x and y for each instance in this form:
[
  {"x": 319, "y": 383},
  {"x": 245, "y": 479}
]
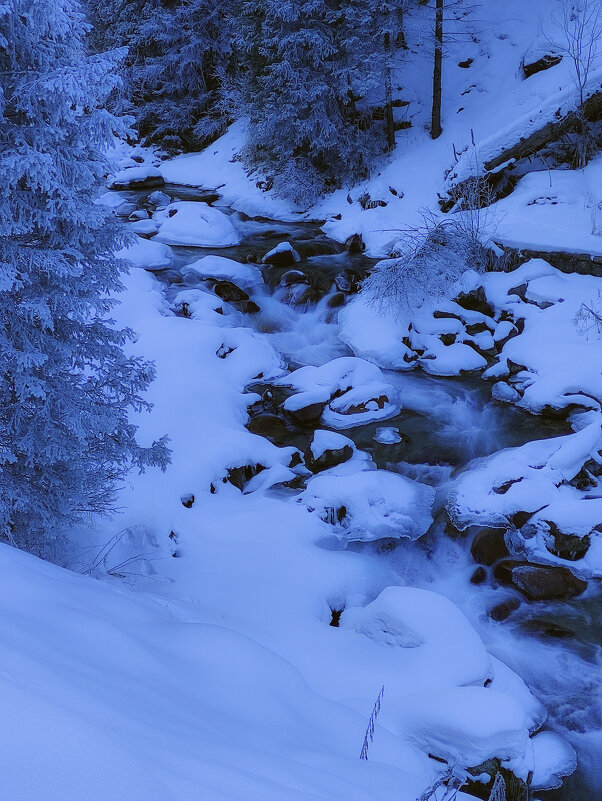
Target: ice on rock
[
  {"x": 146, "y": 254},
  {"x": 371, "y": 505},
  {"x": 246, "y": 276},
  {"x": 196, "y": 224}
]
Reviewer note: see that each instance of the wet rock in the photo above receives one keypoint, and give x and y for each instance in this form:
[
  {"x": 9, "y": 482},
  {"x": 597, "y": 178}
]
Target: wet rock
[
  {"x": 229, "y": 292},
  {"x": 294, "y": 277},
  {"x": 355, "y": 244},
  {"x": 540, "y": 582},
  {"x": 270, "y": 426},
  {"x": 479, "y": 576},
  {"x": 336, "y": 301},
  {"x": 307, "y": 414},
  {"x": 283, "y": 255},
  {"x": 545, "y": 628},
  {"x": 249, "y": 307},
  {"x": 504, "y": 609},
  {"x": 489, "y": 546}
]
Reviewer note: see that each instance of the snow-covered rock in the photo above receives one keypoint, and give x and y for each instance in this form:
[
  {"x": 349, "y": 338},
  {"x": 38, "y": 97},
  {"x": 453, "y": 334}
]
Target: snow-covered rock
[
  {"x": 371, "y": 505},
  {"x": 188, "y": 222},
  {"x": 139, "y": 177},
  {"x": 247, "y": 276}
]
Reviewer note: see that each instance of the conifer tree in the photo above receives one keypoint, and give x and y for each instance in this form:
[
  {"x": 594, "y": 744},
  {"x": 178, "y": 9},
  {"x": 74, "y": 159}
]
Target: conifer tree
[
  {"x": 66, "y": 385},
  {"x": 177, "y": 50}
]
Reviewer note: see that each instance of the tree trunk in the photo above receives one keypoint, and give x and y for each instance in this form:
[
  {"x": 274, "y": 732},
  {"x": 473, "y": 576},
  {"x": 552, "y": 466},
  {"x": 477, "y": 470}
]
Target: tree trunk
[
  {"x": 389, "y": 121},
  {"x": 436, "y": 129}
]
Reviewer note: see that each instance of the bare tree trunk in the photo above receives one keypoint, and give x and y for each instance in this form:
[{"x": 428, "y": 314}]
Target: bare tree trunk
[
  {"x": 389, "y": 121},
  {"x": 436, "y": 129}
]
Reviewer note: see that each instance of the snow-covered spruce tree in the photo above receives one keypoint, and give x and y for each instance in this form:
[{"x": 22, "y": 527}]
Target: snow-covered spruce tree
[
  {"x": 177, "y": 51},
  {"x": 66, "y": 384},
  {"x": 306, "y": 74}
]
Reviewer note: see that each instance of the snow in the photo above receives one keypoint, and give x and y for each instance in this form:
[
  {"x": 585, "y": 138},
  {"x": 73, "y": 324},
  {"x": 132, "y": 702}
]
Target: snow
[
  {"x": 323, "y": 440},
  {"x": 282, "y": 247},
  {"x": 188, "y": 222},
  {"x": 555, "y": 210},
  {"x": 146, "y": 254}
]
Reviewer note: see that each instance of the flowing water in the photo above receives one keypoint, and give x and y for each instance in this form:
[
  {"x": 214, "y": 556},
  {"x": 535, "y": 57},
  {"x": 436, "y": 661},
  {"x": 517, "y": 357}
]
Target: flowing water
[{"x": 444, "y": 424}]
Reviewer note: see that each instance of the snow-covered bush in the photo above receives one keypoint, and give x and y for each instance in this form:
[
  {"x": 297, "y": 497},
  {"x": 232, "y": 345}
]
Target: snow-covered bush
[
  {"x": 66, "y": 385},
  {"x": 428, "y": 261}
]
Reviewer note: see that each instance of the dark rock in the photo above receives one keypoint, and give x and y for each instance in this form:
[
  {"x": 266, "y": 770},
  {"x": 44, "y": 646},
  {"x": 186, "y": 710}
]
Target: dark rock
[
  {"x": 448, "y": 339},
  {"x": 239, "y": 476},
  {"x": 489, "y": 546},
  {"x": 281, "y": 258},
  {"x": 568, "y": 546},
  {"x": 503, "y": 610},
  {"x": 270, "y": 426},
  {"x": 540, "y": 582},
  {"x": 296, "y": 459},
  {"x": 148, "y": 182},
  {"x": 465, "y": 64},
  {"x": 187, "y": 500},
  {"x": 544, "y": 63},
  {"x": 331, "y": 457},
  {"x": 294, "y": 277},
  {"x": 335, "y": 617},
  {"x": 355, "y": 244},
  {"x": 228, "y": 291},
  {"x": 479, "y": 576},
  {"x": 307, "y": 414},
  {"x": 336, "y": 301},
  {"x": 249, "y": 307},
  {"x": 475, "y": 300}
]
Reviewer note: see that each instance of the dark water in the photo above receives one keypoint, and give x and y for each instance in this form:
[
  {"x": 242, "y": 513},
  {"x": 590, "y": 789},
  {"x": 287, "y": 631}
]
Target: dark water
[{"x": 444, "y": 423}]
